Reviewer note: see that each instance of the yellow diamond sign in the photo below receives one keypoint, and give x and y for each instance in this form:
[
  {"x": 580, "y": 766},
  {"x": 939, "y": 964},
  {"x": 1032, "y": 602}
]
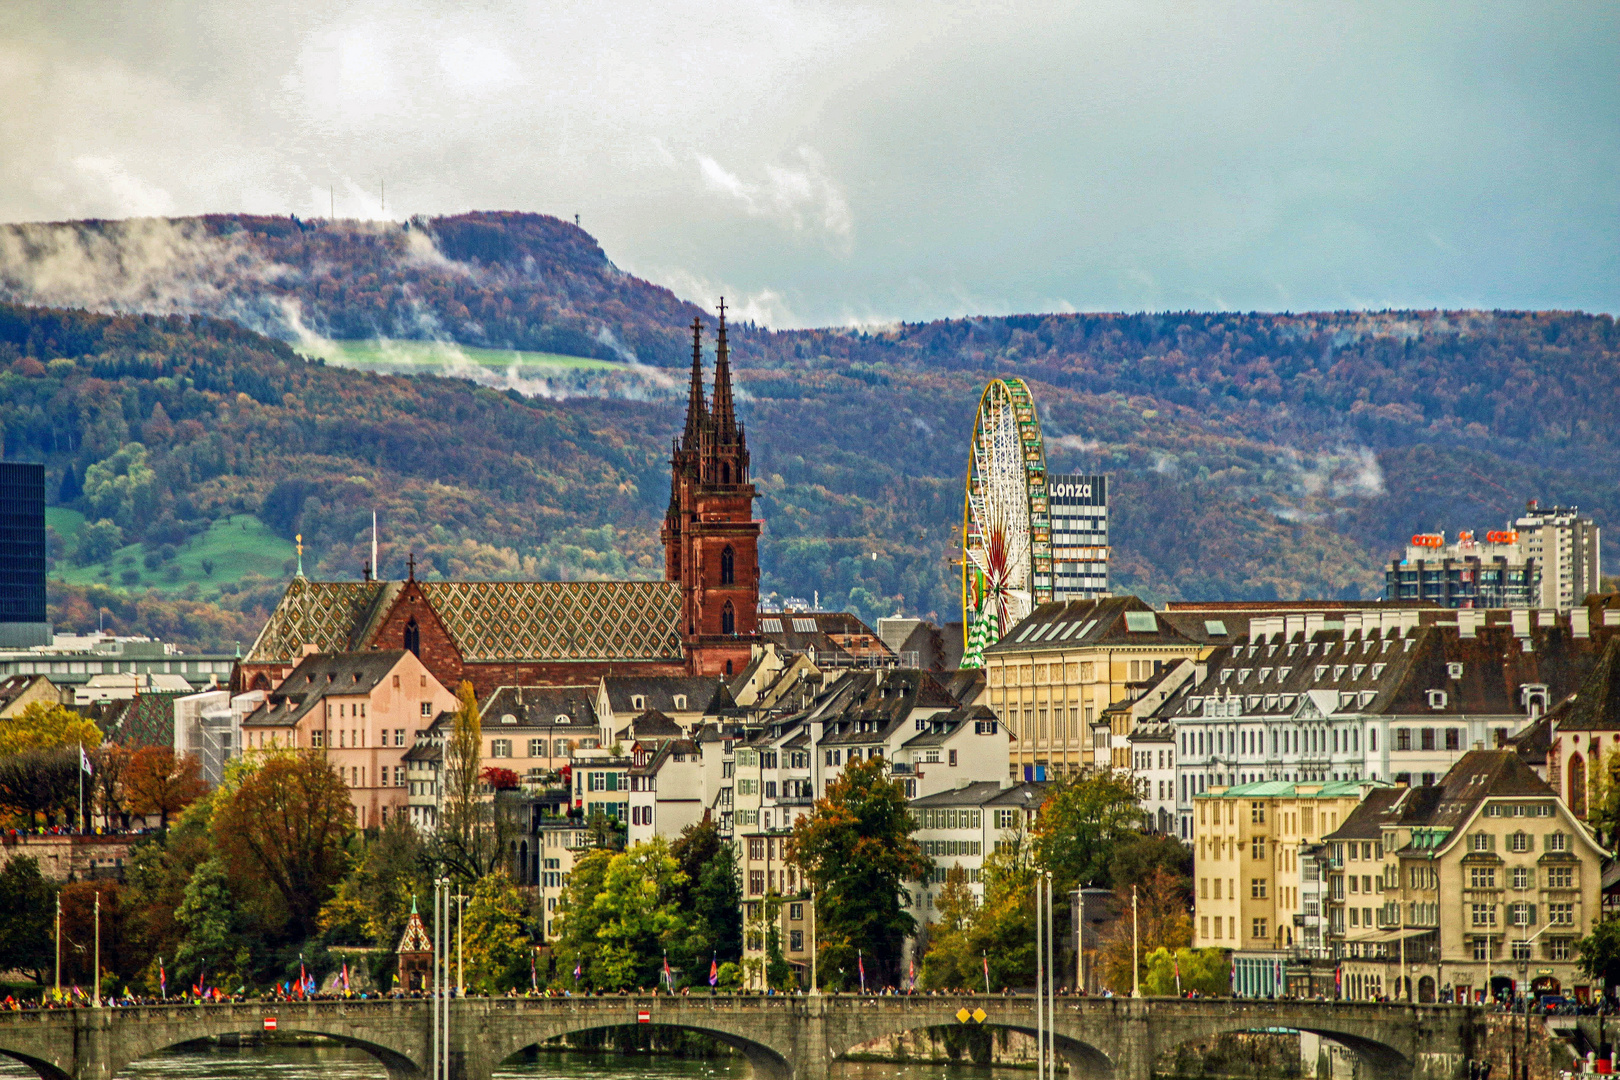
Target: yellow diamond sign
[
  {"x": 963, "y": 1015},
  {"x": 979, "y": 1015}
]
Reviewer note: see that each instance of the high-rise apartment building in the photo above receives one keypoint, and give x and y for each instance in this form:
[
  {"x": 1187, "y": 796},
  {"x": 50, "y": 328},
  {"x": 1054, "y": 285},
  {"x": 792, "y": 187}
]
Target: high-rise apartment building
[
  {"x": 22, "y": 556},
  {"x": 1079, "y": 537},
  {"x": 1544, "y": 559}
]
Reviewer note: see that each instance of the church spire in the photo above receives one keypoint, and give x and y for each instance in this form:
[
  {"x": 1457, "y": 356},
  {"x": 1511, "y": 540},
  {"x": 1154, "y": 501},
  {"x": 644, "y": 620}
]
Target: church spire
[
  {"x": 696, "y": 408},
  {"x": 725, "y": 417}
]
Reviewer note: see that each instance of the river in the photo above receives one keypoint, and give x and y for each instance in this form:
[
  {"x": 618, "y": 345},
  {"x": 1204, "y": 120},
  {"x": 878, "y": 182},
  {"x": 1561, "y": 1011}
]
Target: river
[{"x": 341, "y": 1063}]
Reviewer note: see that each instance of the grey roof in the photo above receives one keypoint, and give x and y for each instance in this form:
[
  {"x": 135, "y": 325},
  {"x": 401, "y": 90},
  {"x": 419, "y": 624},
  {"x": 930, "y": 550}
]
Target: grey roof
[
  {"x": 1477, "y": 775},
  {"x": 941, "y": 726},
  {"x": 318, "y": 675},
  {"x": 653, "y": 724},
  {"x": 1076, "y": 623},
  {"x": 704, "y": 693},
  {"x": 1027, "y": 794},
  {"x": 541, "y": 706},
  {"x": 975, "y": 794}
]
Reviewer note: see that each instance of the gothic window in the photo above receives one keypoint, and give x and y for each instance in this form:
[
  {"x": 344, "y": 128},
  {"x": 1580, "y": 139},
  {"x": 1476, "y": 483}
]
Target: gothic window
[
  {"x": 260, "y": 682},
  {"x": 728, "y": 566},
  {"x": 1577, "y": 786},
  {"x": 413, "y": 636},
  {"x": 728, "y": 619},
  {"x": 725, "y": 472}
]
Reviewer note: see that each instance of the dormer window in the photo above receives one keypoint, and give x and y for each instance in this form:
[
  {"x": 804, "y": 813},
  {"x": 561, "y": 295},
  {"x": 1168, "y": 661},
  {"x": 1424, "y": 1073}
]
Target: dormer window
[
  {"x": 680, "y": 702},
  {"x": 1356, "y": 670},
  {"x": 1437, "y": 699},
  {"x": 1321, "y": 672},
  {"x": 1338, "y": 671},
  {"x": 1265, "y": 673},
  {"x": 508, "y": 718},
  {"x": 638, "y": 702},
  {"x": 1454, "y": 670},
  {"x": 1378, "y": 670}
]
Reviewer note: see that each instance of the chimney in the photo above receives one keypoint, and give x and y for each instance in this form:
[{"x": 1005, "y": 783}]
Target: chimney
[
  {"x": 1313, "y": 623},
  {"x": 1352, "y": 623},
  {"x": 1295, "y": 626},
  {"x": 1580, "y": 622}
]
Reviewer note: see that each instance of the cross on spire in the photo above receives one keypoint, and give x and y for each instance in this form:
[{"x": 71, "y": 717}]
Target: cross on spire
[{"x": 725, "y": 416}]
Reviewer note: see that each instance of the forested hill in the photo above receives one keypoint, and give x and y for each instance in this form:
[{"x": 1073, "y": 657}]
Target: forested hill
[{"x": 1253, "y": 455}]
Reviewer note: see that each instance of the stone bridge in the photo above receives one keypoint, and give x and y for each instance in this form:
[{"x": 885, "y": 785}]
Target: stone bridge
[{"x": 783, "y": 1038}]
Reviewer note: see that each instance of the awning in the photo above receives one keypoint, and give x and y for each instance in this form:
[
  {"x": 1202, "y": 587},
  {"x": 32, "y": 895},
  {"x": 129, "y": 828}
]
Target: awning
[{"x": 1391, "y": 936}]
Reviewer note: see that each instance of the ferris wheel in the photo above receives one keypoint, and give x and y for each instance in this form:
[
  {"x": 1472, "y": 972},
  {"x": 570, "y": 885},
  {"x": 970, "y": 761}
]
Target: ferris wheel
[{"x": 1006, "y": 522}]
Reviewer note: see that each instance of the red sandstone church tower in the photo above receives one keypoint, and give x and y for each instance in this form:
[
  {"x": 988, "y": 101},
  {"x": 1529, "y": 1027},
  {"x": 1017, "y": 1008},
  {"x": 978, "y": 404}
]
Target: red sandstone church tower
[{"x": 711, "y": 539}]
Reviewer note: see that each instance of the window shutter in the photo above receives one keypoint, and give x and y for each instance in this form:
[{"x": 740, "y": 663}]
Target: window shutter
[{"x": 1530, "y": 914}]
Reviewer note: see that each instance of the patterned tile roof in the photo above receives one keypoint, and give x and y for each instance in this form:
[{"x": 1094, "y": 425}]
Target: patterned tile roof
[
  {"x": 560, "y": 620},
  {"x": 148, "y": 721},
  {"x": 489, "y": 621}
]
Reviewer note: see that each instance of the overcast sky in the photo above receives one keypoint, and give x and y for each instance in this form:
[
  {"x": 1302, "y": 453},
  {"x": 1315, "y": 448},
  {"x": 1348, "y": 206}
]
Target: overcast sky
[{"x": 837, "y": 162}]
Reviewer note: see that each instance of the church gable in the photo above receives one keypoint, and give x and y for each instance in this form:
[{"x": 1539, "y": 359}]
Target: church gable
[
  {"x": 325, "y": 614},
  {"x": 415, "y": 938}
]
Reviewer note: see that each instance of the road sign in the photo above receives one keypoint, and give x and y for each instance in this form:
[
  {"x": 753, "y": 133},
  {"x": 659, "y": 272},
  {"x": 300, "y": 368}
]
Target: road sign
[
  {"x": 979, "y": 1015},
  {"x": 963, "y": 1016},
  {"x": 643, "y": 1017},
  {"x": 269, "y": 1023}
]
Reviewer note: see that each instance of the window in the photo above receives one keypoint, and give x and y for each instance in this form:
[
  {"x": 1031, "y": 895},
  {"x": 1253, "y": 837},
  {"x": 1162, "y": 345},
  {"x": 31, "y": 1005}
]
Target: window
[
  {"x": 500, "y": 748},
  {"x": 427, "y": 708},
  {"x": 1560, "y": 949},
  {"x": 1480, "y": 946},
  {"x": 728, "y": 566},
  {"x": 1257, "y": 813},
  {"x": 399, "y": 736},
  {"x": 1521, "y": 914},
  {"x": 1453, "y": 738},
  {"x": 952, "y": 761},
  {"x": 795, "y": 937},
  {"x": 537, "y": 748},
  {"x": 1521, "y": 950},
  {"x": 1258, "y": 929},
  {"x": 1561, "y": 914},
  {"x": 1259, "y": 847},
  {"x": 1560, "y": 877},
  {"x": 756, "y": 883},
  {"x": 1481, "y": 842},
  {"x": 1437, "y": 699},
  {"x": 1427, "y": 738},
  {"x": 1557, "y": 842},
  {"x": 1257, "y": 888},
  {"x": 1403, "y": 738},
  {"x": 1482, "y": 877},
  {"x": 1519, "y": 842},
  {"x": 1483, "y": 914},
  {"x": 728, "y": 619},
  {"x": 1522, "y": 877},
  {"x": 317, "y": 739},
  {"x": 796, "y": 912}
]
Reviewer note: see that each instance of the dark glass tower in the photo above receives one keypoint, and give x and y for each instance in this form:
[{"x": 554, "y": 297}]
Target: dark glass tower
[{"x": 22, "y": 556}]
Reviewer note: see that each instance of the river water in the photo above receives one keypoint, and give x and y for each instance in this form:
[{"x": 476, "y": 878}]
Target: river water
[{"x": 341, "y": 1063}]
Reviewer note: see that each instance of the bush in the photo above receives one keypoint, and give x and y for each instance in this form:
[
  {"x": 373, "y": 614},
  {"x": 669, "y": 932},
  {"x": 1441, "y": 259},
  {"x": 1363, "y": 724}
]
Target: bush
[
  {"x": 130, "y": 577},
  {"x": 208, "y": 567}
]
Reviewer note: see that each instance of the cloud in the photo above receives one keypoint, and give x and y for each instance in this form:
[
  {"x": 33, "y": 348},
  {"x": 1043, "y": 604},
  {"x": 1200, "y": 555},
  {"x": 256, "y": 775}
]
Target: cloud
[
  {"x": 1344, "y": 472},
  {"x": 803, "y": 196}
]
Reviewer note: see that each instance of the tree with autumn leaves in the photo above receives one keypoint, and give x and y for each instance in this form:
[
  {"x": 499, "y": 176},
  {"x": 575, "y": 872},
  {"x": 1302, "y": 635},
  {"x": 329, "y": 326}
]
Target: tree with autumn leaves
[{"x": 856, "y": 849}]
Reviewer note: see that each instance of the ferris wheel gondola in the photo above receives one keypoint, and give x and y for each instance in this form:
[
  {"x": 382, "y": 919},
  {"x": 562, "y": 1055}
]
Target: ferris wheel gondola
[{"x": 1006, "y": 520}]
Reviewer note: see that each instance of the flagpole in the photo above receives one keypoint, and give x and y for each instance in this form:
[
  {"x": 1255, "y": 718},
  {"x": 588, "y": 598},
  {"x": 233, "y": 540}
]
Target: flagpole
[
  {"x": 433, "y": 992},
  {"x": 98, "y": 941},
  {"x": 81, "y": 792},
  {"x": 1051, "y": 983},
  {"x": 815, "y": 986},
  {"x": 461, "y": 968},
  {"x": 59, "y": 946},
  {"x": 1136, "y": 951},
  {"x": 1040, "y": 963}
]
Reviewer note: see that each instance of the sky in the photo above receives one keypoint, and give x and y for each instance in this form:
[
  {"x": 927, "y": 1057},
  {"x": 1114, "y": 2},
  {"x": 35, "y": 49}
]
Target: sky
[{"x": 825, "y": 163}]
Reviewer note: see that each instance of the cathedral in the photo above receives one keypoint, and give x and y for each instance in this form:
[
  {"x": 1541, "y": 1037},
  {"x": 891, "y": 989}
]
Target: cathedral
[{"x": 700, "y": 620}]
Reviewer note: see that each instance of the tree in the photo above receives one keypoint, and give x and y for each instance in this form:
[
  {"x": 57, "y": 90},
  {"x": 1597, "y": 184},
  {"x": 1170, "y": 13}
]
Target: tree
[
  {"x": 711, "y": 896},
  {"x": 856, "y": 848},
  {"x": 639, "y": 919},
  {"x": 286, "y": 824},
  {"x": 372, "y": 903},
  {"x": 1603, "y": 811},
  {"x": 950, "y": 962},
  {"x": 110, "y": 762},
  {"x": 158, "y": 782},
  {"x": 41, "y": 782},
  {"x": 27, "y": 912},
  {"x": 123, "y": 487},
  {"x": 473, "y": 834},
  {"x": 1162, "y": 921},
  {"x": 579, "y": 921},
  {"x": 499, "y": 945},
  {"x": 97, "y": 542},
  {"x": 1600, "y": 952},
  {"x": 47, "y": 727},
  {"x": 1080, "y": 825},
  {"x": 1207, "y": 971},
  {"x": 213, "y": 943}
]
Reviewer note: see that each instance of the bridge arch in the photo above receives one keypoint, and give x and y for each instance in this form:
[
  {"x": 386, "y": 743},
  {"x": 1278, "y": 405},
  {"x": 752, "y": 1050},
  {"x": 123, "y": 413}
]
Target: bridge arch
[
  {"x": 1084, "y": 1059},
  {"x": 767, "y": 1062},
  {"x": 398, "y": 1065},
  {"x": 41, "y": 1067},
  {"x": 1382, "y": 1059}
]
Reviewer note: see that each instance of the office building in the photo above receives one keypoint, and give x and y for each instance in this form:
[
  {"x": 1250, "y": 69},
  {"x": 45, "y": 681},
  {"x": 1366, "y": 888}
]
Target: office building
[
  {"x": 1079, "y": 536},
  {"x": 1548, "y": 559},
  {"x": 22, "y": 556}
]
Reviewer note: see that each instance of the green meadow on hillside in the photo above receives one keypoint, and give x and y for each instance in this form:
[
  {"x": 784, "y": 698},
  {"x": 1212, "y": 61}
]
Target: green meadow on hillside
[
  {"x": 397, "y": 356},
  {"x": 233, "y": 550}
]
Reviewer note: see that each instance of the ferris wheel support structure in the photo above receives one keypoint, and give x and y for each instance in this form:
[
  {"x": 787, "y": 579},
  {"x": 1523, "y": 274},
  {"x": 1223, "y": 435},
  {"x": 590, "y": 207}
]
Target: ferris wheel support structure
[{"x": 1006, "y": 519}]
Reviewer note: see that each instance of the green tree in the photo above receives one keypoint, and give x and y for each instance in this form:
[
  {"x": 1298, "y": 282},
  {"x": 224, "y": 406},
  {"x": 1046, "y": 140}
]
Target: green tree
[
  {"x": 213, "y": 942},
  {"x": 1207, "y": 971},
  {"x": 950, "y": 962},
  {"x": 640, "y": 921},
  {"x": 1081, "y": 825},
  {"x": 711, "y": 897},
  {"x": 499, "y": 944},
  {"x": 372, "y": 903},
  {"x": 27, "y": 914},
  {"x": 474, "y": 832},
  {"x": 123, "y": 487},
  {"x": 856, "y": 848},
  {"x": 41, "y": 782},
  {"x": 1603, "y": 808},
  {"x": 1600, "y": 952},
  {"x": 97, "y": 541},
  {"x": 579, "y": 922}
]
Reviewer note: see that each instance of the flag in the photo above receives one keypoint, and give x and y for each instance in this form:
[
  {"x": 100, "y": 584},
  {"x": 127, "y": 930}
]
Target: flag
[
  {"x": 577, "y": 969},
  {"x": 714, "y": 970},
  {"x": 303, "y": 978},
  {"x": 345, "y": 976},
  {"x": 860, "y": 962},
  {"x": 1234, "y": 978},
  {"x": 197, "y": 990},
  {"x": 669, "y": 977},
  {"x": 84, "y": 761},
  {"x": 163, "y": 980},
  {"x": 986, "y": 958},
  {"x": 534, "y": 976}
]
